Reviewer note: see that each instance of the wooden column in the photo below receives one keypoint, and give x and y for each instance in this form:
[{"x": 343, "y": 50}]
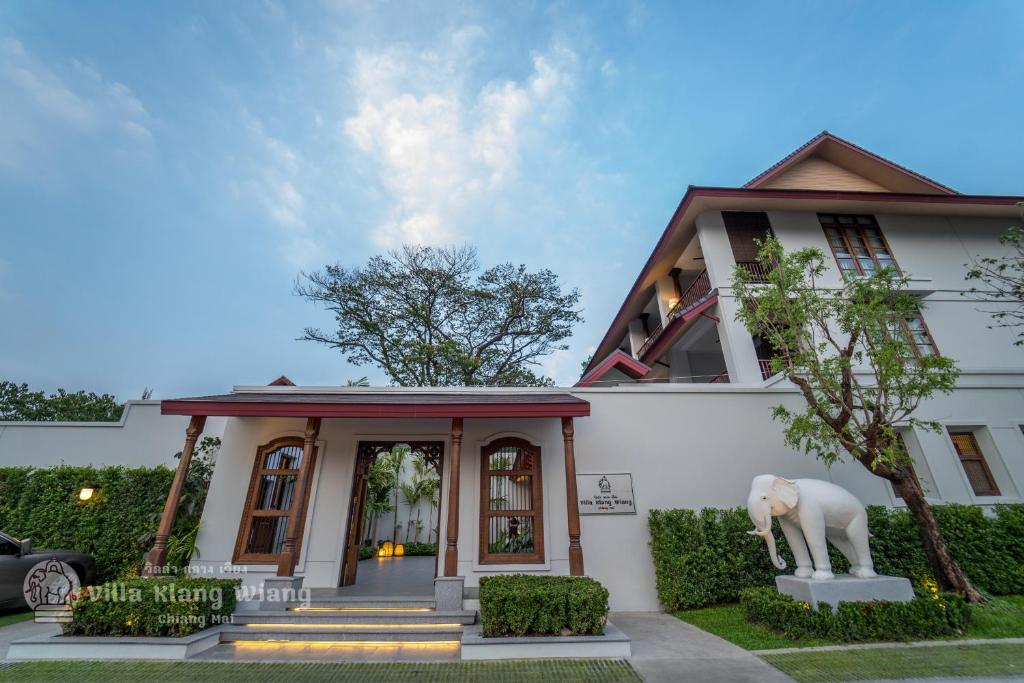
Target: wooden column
[
  {"x": 451, "y": 551},
  {"x": 286, "y": 565},
  {"x": 156, "y": 558},
  {"x": 572, "y": 500}
]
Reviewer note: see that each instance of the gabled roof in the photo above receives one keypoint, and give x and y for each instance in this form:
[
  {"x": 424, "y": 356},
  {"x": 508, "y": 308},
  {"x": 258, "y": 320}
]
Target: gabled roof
[
  {"x": 616, "y": 360},
  {"x": 282, "y": 381},
  {"x": 827, "y": 162}
]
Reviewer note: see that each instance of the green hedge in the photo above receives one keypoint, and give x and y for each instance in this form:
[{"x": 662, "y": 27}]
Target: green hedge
[
  {"x": 152, "y": 607},
  {"x": 707, "y": 557},
  {"x": 42, "y": 504},
  {"x": 519, "y": 605},
  {"x": 927, "y": 616}
]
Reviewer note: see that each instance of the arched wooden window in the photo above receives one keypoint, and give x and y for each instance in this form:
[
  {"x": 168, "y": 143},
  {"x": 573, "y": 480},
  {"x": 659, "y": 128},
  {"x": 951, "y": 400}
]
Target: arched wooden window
[
  {"x": 511, "y": 503},
  {"x": 268, "y": 506}
]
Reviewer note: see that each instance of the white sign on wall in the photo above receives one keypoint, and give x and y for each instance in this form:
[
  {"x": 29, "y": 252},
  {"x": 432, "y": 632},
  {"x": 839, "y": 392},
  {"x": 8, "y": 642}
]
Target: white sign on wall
[{"x": 605, "y": 494}]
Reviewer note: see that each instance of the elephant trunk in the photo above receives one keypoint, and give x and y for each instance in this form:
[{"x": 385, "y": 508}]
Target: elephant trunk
[{"x": 769, "y": 538}]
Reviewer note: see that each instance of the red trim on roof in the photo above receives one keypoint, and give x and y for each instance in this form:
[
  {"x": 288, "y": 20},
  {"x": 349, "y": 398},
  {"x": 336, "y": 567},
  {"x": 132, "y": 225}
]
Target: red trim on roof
[
  {"x": 668, "y": 335},
  {"x": 693, "y": 192},
  {"x": 282, "y": 381},
  {"x": 375, "y": 410},
  {"x": 806, "y": 149},
  {"x": 616, "y": 360}
]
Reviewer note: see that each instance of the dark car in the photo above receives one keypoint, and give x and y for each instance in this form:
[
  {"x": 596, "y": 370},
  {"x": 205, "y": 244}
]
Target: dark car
[{"x": 18, "y": 558}]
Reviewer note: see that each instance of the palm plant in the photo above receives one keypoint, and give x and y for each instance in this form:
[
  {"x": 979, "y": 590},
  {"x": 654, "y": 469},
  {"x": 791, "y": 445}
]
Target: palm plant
[{"x": 412, "y": 494}]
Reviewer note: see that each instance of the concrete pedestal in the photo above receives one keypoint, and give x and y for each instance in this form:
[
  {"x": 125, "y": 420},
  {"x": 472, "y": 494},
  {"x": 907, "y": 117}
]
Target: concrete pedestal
[
  {"x": 448, "y": 593},
  {"x": 278, "y": 591},
  {"x": 845, "y": 588}
]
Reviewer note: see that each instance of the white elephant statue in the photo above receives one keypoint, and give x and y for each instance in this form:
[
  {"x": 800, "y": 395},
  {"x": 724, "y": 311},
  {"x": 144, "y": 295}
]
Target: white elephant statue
[{"x": 814, "y": 510}]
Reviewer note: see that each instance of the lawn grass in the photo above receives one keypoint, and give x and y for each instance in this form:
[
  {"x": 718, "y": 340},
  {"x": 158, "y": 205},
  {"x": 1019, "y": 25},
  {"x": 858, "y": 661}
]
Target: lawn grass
[
  {"x": 14, "y": 617},
  {"x": 1002, "y": 617},
  {"x": 539, "y": 671},
  {"x": 910, "y": 662}
]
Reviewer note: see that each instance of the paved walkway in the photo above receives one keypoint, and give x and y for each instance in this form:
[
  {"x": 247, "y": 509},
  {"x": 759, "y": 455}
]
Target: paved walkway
[
  {"x": 23, "y": 629},
  {"x": 667, "y": 649},
  {"x": 391, "y": 576}
]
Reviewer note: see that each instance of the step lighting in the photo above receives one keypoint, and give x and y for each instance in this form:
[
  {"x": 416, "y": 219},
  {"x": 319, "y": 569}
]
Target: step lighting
[
  {"x": 428, "y": 644},
  {"x": 381, "y": 626},
  {"x": 361, "y": 609}
]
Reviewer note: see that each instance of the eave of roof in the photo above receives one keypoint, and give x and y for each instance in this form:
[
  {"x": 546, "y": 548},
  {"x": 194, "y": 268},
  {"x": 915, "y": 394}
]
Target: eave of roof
[
  {"x": 616, "y": 360},
  {"x": 763, "y": 199},
  {"x": 381, "y": 404}
]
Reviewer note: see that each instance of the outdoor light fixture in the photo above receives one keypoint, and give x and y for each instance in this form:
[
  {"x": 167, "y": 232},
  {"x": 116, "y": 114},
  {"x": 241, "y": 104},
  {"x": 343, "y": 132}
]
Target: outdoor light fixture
[
  {"x": 399, "y": 550},
  {"x": 87, "y": 493},
  {"x": 387, "y": 549}
]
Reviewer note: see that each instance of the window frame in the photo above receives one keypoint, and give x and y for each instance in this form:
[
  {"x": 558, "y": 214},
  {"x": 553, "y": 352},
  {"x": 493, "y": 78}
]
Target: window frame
[
  {"x": 908, "y": 334},
  {"x": 537, "y": 513},
  {"x": 240, "y": 556},
  {"x": 993, "y": 490},
  {"x": 829, "y": 221}
]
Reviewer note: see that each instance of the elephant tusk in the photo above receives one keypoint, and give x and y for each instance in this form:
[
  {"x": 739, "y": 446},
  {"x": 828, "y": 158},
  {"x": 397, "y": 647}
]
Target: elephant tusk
[{"x": 759, "y": 532}]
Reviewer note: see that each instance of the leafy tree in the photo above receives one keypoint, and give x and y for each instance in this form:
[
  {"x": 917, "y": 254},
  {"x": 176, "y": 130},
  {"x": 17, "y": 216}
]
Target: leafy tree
[
  {"x": 859, "y": 374},
  {"x": 380, "y": 482},
  {"x": 1001, "y": 281},
  {"x": 18, "y": 403},
  {"x": 426, "y": 318}
]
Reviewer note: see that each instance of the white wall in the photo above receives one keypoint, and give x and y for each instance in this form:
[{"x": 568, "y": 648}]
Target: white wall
[
  {"x": 142, "y": 438},
  {"x": 687, "y": 446}
]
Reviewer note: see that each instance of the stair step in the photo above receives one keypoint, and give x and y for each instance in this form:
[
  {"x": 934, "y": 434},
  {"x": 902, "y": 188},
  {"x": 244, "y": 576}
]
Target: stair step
[
  {"x": 365, "y": 633},
  {"x": 364, "y": 603},
  {"x": 353, "y": 617}
]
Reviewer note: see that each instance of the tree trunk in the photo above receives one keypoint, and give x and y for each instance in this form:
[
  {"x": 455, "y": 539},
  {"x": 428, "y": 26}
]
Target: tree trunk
[{"x": 947, "y": 572}]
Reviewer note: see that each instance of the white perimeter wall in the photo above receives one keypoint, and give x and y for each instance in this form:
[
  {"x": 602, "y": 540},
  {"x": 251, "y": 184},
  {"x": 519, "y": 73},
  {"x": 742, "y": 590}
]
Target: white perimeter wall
[
  {"x": 687, "y": 446},
  {"x": 142, "y": 438}
]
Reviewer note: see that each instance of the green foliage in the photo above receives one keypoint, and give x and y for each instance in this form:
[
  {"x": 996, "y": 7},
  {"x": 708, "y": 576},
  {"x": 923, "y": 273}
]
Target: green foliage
[
  {"x": 411, "y": 549},
  {"x": 43, "y": 504},
  {"x": 704, "y": 558},
  {"x": 1002, "y": 282},
  {"x": 926, "y": 616},
  {"x": 17, "y": 403},
  {"x": 519, "y": 605},
  {"x": 821, "y": 336},
  {"x": 427, "y": 318},
  {"x": 152, "y": 607}
]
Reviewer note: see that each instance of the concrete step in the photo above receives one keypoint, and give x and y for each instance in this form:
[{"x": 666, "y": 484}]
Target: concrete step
[
  {"x": 362, "y": 633},
  {"x": 360, "y": 616},
  {"x": 363, "y": 603}
]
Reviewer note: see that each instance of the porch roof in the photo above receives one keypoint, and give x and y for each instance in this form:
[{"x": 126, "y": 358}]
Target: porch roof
[{"x": 382, "y": 403}]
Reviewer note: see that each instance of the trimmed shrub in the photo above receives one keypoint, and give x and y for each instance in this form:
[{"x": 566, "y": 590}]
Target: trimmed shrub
[
  {"x": 928, "y": 615},
  {"x": 42, "y": 504},
  {"x": 520, "y": 605},
  {"x": 703, "y": 558},
  {"x": 411, "y": 549},
  {"x": 174, "y": 606}
]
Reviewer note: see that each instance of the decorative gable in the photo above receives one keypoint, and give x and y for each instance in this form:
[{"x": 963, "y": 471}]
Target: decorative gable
[{"x": 815, "y": 173}]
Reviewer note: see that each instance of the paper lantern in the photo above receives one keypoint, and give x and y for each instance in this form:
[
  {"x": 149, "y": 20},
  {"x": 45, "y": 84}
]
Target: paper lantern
[
  {"x": 399, "y": 550},
  {"x": 386, "y": 549}
]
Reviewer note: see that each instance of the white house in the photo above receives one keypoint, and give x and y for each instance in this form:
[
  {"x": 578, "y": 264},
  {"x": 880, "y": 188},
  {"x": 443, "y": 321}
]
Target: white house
[{"x": 674, "y": 410}]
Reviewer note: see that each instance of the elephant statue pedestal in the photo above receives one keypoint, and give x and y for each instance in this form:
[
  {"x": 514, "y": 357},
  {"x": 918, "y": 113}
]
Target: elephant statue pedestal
[{"x": 845, "y": 588}]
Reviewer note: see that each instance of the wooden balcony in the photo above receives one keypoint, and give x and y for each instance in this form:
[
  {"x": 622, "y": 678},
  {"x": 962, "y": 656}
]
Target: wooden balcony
[
  {"x": 758, "y": 273},
  {"x": 766, "y": 368},
  {"x": 696, "y": 294}
]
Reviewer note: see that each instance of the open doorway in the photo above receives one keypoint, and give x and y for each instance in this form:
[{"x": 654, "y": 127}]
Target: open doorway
[{"x": 394, "y": 524}]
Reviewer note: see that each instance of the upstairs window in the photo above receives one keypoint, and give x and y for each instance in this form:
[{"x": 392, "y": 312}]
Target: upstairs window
[
  {"x": 857, "y": 244},
  {"x": 916, "y": 334},
  {"x": 973, "y": 461},
  {"x": 744, "y": 228},
  {"x": 511, "y": 503},
  {"x": 269, "y": 504}
]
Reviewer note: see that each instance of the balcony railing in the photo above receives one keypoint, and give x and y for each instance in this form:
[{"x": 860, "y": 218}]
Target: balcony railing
[
  {"x": 766, "y": 368},
  {"x": 694, "y": 294},
  {"x": 758, "y": 273},
  {"x": 721, "y": 378}
]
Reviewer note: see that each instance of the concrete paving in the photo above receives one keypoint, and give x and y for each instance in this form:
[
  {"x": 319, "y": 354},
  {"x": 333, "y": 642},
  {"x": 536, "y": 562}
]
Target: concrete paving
[
  {"x": 391, "y": 576},
  {"x": 666, "y": 649},
  {"x": 23, "y": 629}
]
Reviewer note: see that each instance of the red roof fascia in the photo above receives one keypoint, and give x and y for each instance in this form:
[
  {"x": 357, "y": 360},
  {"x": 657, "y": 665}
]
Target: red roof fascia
[
  {"x": 374, "y": 410},
  {"x": 668, "y": 335},
  {"x": 808, "y": 147},
  {"x": 693, "y": 192},
  {"x": 617, "y": 360}
]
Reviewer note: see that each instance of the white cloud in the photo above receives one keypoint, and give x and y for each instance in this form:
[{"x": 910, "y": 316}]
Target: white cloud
[
  {"x": 438, "y": 142},
  {"x": 44, "y": 110}
]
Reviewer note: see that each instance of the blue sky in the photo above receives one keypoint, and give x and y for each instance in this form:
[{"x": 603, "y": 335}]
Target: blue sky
[{"x": 166, "y": 169}]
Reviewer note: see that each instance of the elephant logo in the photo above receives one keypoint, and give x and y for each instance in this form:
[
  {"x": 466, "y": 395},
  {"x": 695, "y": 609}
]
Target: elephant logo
[
  {"x": 604, "y": 485},
  {"x": 51, "y": 582}
]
